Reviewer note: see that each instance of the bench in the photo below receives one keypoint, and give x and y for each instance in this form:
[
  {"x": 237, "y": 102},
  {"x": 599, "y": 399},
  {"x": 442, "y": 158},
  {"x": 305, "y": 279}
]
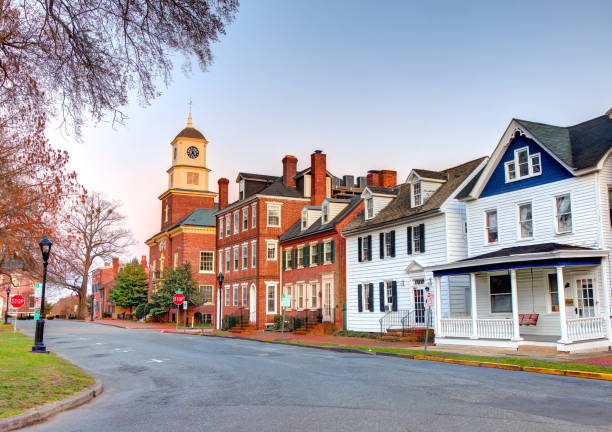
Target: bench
[{"x": 528, "y": 319}]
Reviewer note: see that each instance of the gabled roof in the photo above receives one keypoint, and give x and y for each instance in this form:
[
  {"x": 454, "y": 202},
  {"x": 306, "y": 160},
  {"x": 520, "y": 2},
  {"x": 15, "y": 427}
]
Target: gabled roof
[
  {"x": 307, "y": 171},
  {"x": 190, "y": 132},
  {"x": 278, "y": 188},
  {"x": 400, "y": 207},
  {"x": 317, "y": 227},
  {"x": 198, "y": 217},
  {"x": 380, "y": 190},
  {"x": 427, "y": 174},
  {"x": 257, "y": 177}
]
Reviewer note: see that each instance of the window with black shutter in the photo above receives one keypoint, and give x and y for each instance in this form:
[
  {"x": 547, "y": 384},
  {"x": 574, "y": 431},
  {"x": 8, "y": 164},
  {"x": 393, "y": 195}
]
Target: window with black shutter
[
  {"x": 381, "y": 245},
  {"x": 369, "y": 248},
  {"x": 359, "y": 249},
  {"x": 409, "y": 240},
  {"x": 359, "y": 298},
  {"x": 381, "y": 295},
  {"x": 371, "y": 297}
]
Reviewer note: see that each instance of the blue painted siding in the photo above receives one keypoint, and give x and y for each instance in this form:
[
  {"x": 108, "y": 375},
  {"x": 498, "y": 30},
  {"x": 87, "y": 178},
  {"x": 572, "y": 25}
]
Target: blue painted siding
[{"x": 552, "y": 170}]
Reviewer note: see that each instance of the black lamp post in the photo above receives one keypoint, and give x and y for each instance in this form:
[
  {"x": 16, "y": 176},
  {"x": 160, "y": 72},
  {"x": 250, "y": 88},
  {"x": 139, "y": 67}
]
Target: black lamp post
[
  {"x": 8, "y": 296},
  {"x": 39, "y": 347},
  {"x": 220, "y": 297}
]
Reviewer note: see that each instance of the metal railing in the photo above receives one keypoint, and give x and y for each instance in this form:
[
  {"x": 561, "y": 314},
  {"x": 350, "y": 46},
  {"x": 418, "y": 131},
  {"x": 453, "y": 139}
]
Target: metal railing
[{"x": 400, "y": 319}]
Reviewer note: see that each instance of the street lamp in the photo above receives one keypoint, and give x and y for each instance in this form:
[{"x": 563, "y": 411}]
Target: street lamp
[
  {"x": 8, "y": 296},
  {"x": 39, "y": 347},
  {"x": 219, "y": 297}
]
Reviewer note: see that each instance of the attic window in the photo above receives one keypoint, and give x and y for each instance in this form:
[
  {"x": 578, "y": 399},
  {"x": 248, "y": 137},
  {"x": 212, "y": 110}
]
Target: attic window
[
  {"x": 193, "y": 178},
  {"x": 523, "y": 165},
  {"x": 370, "y": 208},
  {"x": 304, "y": 220},
  {"x": 416, "y": 193},
  {"x": 325, "y": 213}
]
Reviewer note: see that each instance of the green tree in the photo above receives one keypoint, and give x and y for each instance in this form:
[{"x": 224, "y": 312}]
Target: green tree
[
  {"x": 178, "y": 279},
  {"x": 131, "y": 287}
]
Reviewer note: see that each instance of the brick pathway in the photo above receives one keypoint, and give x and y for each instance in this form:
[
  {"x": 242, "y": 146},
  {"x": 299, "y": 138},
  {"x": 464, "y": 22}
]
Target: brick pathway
[
  {"x": 336, "y": 340},
  {"x": 604, "y": 360}
]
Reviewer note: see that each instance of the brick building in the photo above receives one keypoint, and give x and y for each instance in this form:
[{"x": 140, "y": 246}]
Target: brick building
[
  {"x": 187, "y": 231},
  {"x": 20, "y": 284},
  {"x": 249, "y": 230}
]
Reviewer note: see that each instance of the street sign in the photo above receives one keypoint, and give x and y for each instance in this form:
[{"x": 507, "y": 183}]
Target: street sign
[
  {"x": 286, "y": 300},
  {"x": 178, "y": 299},
  {"x": 185, "y": 305},
  {"x": 17, "y": 301},
  {"x": 429, "y": 301},
  {"x": 37, "y": 298}
]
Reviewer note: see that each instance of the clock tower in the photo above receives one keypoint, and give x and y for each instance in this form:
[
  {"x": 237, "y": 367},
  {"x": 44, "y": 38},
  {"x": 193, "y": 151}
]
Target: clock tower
[{"x": 187, "y": 177}]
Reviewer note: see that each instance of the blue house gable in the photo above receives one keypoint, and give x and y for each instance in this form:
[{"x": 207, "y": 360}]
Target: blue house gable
[{"x": 519, "y": 169}]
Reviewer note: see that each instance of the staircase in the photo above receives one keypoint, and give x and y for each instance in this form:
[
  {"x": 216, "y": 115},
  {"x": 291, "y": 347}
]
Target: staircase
[
  {"x": 406, "y": 335},
  {"x": 310, "y": 323},
  {"x": 401, "y": 326},
  {"x": 244, "y": 328}
]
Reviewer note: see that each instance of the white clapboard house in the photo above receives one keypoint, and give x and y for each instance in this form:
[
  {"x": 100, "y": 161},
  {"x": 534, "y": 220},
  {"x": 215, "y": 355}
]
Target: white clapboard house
[
  {"x": 539, "y": 240},
  {"x": 401, "y": 231}
]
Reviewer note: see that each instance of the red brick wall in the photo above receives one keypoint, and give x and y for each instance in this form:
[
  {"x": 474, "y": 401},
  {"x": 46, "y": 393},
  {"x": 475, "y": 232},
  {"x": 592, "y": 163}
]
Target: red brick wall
[{"x": 181, "y": 206}]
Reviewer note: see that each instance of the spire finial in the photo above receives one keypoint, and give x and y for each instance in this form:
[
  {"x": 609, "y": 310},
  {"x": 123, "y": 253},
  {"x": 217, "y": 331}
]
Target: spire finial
[{"x": 189, "y": 124}]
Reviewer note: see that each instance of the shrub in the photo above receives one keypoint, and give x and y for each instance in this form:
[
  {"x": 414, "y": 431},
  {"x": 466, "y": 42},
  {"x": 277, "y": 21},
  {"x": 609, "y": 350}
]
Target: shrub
[
  {"x": 229, "y": 321},
  {"x": 294, "y": 323},
  {"x": 278, "y": 320},
  {"x": 71, "y": 316},
  {"x": 350, "y": 333},
  {"x": 50, "y": 317}
]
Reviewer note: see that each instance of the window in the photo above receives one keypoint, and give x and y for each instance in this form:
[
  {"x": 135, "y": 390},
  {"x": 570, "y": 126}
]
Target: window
[
  {"x": 523, "y": 165},
  {"x": 241, "y": 189},
  {"x": 329, "y": 251},
  {"x": 370, "y": 207},
  {"x": 227, "y": 225},
  {"x": 563, "y": 214},
  {"x": 365, "y": 248},
  {"x": 314, "y": 255},
  {"x": 207, "y": 293},
  {"x": 416, "y": 194},
  {"x": 300, "y": 257},
  {"x": 304, "y": 220},
  {"x": 491, "y": 226},
  {"x": 227, "y": 296},
  {"x": 271, "y": 250},
  {"x": 236, "y": 222},
  {"x": 390, "y": 244},
  {"x": 228, "y": 261},
  {"x": 220, "y": 264},
  {"x": 236, "y": 258},
  {"x": 244, "y": 295},
  {"x": 193, "y": 178},
  {"x": 366, "y": 297},
  {"x": 206, "y": 261},
  {"x": 166, "y": 213},
  {"x": 389, "y": 293},
  {"x": 254, "y": 215},
  {"x": 271, "y": 298},
  {"x": 289, "y": 257},
  {"x": 253, "y": 254},
  {"x": 325, "y": 212},
  {"x": 610, "y": 205},
  {"x": 175, "y": 264},
  {"x": 314, "y": 295},
  {"x": 525, "y": 221},
  {"x": 274, "y": 215},
  {"x": 417, "y": 238},
  {"x": 501, "y": 297},
  {"x": 220, "y": 228},
  {"x": 553, "y": 292},
  {"x": 235, "y": 295},
  {"x": 300, "y": 296},
  {"x": 175, "y": 152},
  {"x": 245, "y": 219},
  {"x": 245, "y": 256}
]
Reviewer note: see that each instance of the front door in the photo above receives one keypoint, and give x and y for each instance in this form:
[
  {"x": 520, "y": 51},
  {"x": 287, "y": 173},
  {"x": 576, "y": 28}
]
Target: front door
[
  {"x": 253, "y": 304},
  {"x": 585, "y": 296},
  {"x": 328, "y": 300},
  {"x": 419, "y": 305}
]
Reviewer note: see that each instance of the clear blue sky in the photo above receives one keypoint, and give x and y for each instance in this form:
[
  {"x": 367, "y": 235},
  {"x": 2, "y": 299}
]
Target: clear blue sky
[{"x": 376, "y": 85}]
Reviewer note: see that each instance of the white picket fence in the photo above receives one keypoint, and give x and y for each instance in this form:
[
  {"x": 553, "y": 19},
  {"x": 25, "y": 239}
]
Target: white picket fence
[
  {"x": 494, "y": 328},
  {"x": 455, "y": 327},
  {"x": 579, "y": 329}
]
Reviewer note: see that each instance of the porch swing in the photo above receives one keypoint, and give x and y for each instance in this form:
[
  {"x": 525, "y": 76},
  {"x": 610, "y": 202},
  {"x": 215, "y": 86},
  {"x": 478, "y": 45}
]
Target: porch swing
[{"x": 532, "y": 318}]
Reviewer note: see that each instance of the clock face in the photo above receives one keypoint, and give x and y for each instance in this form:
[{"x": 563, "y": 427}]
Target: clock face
[{"x": 193, "y": 152}]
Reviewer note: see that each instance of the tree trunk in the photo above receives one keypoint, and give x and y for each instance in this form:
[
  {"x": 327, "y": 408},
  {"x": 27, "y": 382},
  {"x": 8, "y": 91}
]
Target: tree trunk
[{"x": 82, "y": 308}]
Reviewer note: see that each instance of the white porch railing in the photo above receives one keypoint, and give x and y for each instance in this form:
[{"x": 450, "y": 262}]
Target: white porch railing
[
  {"x": 455, "y": 327},
  {"x": 579, "y": 329},
  {"x": 494, "y": 328}
]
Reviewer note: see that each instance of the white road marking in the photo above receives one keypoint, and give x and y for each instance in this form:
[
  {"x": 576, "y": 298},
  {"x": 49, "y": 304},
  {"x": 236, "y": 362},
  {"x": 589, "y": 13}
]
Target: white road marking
[{"x": 154, "y": 361}]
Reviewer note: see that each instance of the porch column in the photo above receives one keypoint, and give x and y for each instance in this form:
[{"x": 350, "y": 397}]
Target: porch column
[
  {"x": 474, "y": 306},
  {"x": 562, "y": 314},
  {"x": 516, "y": 329},
  {"x": 438, "y": 307},
  {"x": 604, "y": 296}
]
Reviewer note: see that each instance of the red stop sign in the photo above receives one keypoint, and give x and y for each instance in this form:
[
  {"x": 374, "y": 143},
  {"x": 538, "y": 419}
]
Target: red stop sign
[
  {"x": 17, "y": 301},
  {"x": 178, "y": 299}
]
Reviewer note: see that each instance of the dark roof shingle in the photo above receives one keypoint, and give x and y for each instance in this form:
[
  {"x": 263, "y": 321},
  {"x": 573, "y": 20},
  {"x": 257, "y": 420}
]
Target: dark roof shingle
[{"x": 190, "y": 132}]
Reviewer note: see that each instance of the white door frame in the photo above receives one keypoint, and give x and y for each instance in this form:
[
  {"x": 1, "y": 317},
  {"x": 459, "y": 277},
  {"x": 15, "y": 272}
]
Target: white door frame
[
  {"x": 253, "y": 303},
  {"x": 329, "y": 316}
]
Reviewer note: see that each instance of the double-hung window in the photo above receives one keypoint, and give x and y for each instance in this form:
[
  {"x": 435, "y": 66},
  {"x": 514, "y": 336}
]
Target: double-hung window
[
  {"x": 253, "y": 253},
  {"x": 244, "y": 295},
  {"x": 245, "y": 218},
  {"x": 236, "y": 259},
  {"x": 365, "y": 248},
  {"x": 236, "y": 222},
  {"x": 274, "y": 215},
  {"x": 491, "y": 226},
  {"x": 314, "y": 295},
  {"x": 501, "y": 295},
  {"x": 254, "y": 215},
  {"x": 329, "y": 253},
  {"x": 206, "y": 261},
  {"x": 235, "y": 295},
  {"x": 228, "y": 223},
  {"x": 325, "y": 212},
  {"x": 245, "y": 256},
  {"x": 416, "y": 238},
  {"x": 271, "y": 298},
  {"x": 300, "y": 257},
  {"x": 417, "y": 196},
  {"x": 220, "y": 228},
  {"x": 523, "y": 165},
  {"x": 525, "y": 215},
  {"x": 370, "y": 208},
  {"x": 207, "y": 293},
  {"x": 389, "y": 293},
  {"x": 553, "y": 292},
  {"x": 227, "y": 296},
  {"x": 228, "y": 260},
  {"x": 271, "y": 249},
  {"x": 563, "y": 214}
]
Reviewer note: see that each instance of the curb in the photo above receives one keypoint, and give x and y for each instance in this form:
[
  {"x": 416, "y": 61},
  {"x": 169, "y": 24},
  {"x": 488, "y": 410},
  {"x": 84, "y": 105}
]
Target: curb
[
  {"x": 533, "y": 369},
  {"x": 35, "y": 415}
]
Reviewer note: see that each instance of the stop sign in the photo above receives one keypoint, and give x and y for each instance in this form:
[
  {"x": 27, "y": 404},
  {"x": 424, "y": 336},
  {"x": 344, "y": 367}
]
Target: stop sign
[
  {"x": 178, "y": 299},
  {"x": 17, "y": 301}
]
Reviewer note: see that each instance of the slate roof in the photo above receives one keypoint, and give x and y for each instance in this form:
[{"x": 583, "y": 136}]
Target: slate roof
[
  {"x": 435, "y": 175},
  {"x": 262, "y": 177},
  {"x": 278, "y": 188},
  {"x": 527, "y": 249},
  {"x": 384, "y": 190},
  {"x": 399, "y": 207},
  {"x": 190, "y": 132},
  {"x": 580, "y": 146},
  {"x": 296, "y": 232}
]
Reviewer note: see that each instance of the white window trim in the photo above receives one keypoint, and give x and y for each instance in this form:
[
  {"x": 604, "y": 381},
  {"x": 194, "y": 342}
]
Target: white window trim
[
  {"x": 245, "y": 214},
  {"x": 496, "y": 273},
  {"x": 235, "y": 266},
  {"x": 300, "y": 251},
  {"x": 369, "y": 199},
  {"x": 213, "y": 262},
  {"x": 235, "y": 295},
  {"x": 275, "y": 286},
  {"x": 325, "y": 243},
  {"x": 312, "y": 248},
  {"x": 365, "y": 287},
  {"x": 220, "y": 228},
  {"x": 243, "y": 246},
  {"x": 325, "y": 214},
  {"x": 228, "y": 259},
  {"x": 555, "y": 214},
  {"x": 253, "y": 253},
  {"x": 486, "y": 231},
  {"x": 236, "y": 216},
  {"x": 270, "y": 206},
  {"x": 244, "y": 289},
  {"x": 253, "y": 215},
  {"x": 275, "y": 243},
  {"x": 517, "y": 175},
  {"x": 414, "y": 202},
  {"x": 227, "y": 296},
  {"x": 286, "y": 253},
  {"x": 228, "y": 227},
  {"x": 518, "y": 221},
  {"x": 549, "y": 310},
  {"x": 212, "y": 293}
]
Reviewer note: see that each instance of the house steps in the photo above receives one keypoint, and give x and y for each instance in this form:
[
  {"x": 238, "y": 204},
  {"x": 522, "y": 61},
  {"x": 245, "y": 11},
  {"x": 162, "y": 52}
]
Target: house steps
[
  {"x": 306, "y": 329},
  {"x": 410, "y": 335},
  {"x": 243, "y": 328}
]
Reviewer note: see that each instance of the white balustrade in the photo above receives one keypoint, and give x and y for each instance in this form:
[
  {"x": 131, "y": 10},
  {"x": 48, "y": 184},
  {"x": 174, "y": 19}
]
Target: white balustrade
[
  {"x": 579, "y": 329},
  {"x": 455, "y": 327},
  {"x": 494, "y": 328}
]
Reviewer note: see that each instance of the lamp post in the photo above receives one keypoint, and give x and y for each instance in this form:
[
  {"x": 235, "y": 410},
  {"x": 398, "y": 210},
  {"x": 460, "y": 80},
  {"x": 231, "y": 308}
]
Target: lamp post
[
  {"x": 8, "y": 296},
  {"x": 39, "y": 347},
  {"x": 187, "y": 292},
  {"x": 219, "y": 298}
]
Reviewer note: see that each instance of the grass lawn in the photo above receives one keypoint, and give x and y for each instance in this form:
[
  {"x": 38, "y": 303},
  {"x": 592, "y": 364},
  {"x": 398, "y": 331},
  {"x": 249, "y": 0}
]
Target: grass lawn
[
  {"x": 504, "y": 360},
  {"x": 28, "y": 380},
  {"x": 6, "y": 327}
]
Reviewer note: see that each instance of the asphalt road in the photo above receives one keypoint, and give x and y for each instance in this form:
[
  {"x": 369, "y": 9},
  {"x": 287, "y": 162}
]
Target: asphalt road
[{"x": 169, "y": 382}]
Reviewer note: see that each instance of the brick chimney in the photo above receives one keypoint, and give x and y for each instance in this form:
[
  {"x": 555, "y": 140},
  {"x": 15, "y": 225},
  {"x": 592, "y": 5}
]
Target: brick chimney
[
  {"x": 373, "y": 178},
  {"x": 115, "y": 266},
  {"x": 289, "y": 170},
  {"x": 223, "y": 192},
  {"x": 143, "y": 262},
  {"x": 318, "y": 177},
  {"x": 388, "y": 178}
]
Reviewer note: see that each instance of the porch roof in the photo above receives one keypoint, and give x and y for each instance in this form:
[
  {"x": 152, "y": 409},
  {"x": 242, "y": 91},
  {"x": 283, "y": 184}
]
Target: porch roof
[{"x": 538, "y": 255}]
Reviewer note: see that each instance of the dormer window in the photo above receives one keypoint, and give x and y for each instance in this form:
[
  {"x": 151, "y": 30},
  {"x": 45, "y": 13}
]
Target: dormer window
[
  {"x": 370, "y": 208},
  {"x": 416, "y": 194},
  {"x": 304, "y": 220},
  {"x": 523, "y": 165},
  {"x": 241, "y": 189},
  {"x": 325, "y": 212}
]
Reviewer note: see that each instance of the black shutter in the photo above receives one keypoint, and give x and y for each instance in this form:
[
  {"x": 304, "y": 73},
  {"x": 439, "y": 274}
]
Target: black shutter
[
  {"x": 359, "y": 244},
  {"x": 359, "y": 298},
  {"x": 371, "y": 297},
  {"x": 422, "y": 234},
  {"x": 394, "y": 294},
  {"x": 381, "y": 245},
  {"x": 284, "y": 260},
  {"x": 306, "y": 256},
  {"x": 392, "y": 243},
  {"x": 321, "y": 253},
  {"x": 409, "y": 241},
  {"x": 381, "y": 293},
  {"x": 369, "y": 248},
  {"x": 331, "y": 245}
]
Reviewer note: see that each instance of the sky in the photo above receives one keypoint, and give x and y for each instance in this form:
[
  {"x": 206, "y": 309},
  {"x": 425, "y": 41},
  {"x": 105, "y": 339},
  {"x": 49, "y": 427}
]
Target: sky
[{"x": 375, "y": 85}]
